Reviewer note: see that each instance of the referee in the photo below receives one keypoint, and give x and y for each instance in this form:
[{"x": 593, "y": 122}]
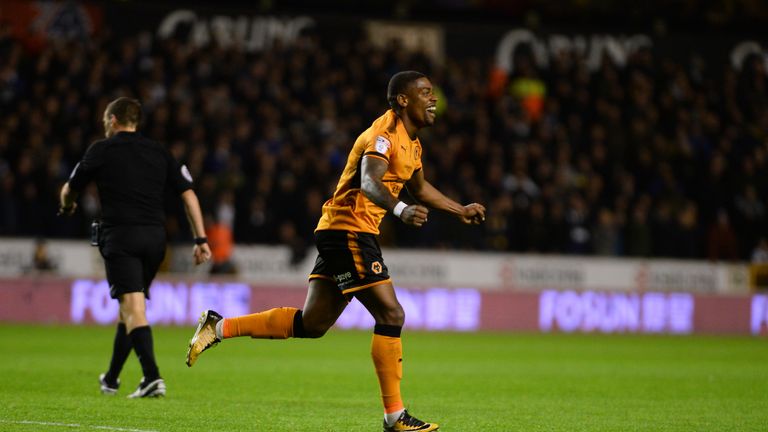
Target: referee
[{"x": 132, "y": 174}]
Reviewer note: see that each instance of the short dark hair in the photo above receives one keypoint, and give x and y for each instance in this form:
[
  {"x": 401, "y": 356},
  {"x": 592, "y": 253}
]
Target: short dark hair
[
  {"x": 127, "y": 111},
  {"x": 398, "y": 84}
]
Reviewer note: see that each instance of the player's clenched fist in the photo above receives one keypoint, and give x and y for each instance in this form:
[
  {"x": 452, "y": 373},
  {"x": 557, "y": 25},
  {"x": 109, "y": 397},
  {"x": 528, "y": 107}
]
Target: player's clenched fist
[
  {"x": 473, "y": 214},
  {"x": 414, "y": 215}
]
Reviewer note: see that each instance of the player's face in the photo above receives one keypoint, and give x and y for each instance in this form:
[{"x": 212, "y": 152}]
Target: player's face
[{"x": 422, "y": 103}]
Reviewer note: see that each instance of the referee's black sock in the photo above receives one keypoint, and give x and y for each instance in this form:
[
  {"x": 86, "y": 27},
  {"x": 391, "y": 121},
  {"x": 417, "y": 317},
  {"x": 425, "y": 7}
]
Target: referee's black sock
[
  {"x": 121, "y": 348},
  {"x": 142, "y": 343}
]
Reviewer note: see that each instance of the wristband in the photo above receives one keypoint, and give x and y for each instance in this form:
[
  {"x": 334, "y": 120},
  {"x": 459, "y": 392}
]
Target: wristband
[
  {"x": 399, "y": 207},
  {"x": 201, "y": 240}
]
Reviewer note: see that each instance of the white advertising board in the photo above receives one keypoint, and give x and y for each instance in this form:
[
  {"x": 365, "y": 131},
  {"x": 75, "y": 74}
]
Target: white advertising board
[
  {"x": 69, "y": 257},
  {"x": 425, "y": 268}
]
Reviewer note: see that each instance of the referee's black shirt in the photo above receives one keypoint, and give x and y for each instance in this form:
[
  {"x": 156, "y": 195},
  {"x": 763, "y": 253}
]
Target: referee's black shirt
[{"x": 132, "y": 174}]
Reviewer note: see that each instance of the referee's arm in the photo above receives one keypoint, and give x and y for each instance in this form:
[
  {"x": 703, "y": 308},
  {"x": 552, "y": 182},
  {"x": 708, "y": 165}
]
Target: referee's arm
[
  {"x": 81, "y": 174},
  {"x": 67, "y": 198},
  {"x": 201, "y": 252}
]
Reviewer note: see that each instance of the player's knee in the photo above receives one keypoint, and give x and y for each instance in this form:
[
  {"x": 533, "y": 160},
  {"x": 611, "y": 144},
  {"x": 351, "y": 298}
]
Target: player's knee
[
  {"x": 394, "y": 316},
  {"x": 309, "y": 328},
  {"x": 315, "y": 331}
]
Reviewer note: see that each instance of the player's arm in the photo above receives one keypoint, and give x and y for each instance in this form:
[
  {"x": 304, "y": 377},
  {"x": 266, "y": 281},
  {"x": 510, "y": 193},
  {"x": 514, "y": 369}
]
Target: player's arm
[
  {"x": 425, "y": 193},
  {"x": 371, "y": 175}
]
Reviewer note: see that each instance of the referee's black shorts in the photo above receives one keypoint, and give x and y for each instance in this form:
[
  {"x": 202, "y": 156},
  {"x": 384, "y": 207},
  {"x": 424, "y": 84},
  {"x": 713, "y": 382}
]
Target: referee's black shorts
[
  {"x": 349, "y": 259},
  {"x": 132, "y": 255}
]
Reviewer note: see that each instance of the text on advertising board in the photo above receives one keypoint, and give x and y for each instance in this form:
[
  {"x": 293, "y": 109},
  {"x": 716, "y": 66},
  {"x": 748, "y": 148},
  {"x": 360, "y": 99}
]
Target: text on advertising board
[
  {"x": 432, "y": 309},
  {"x": 170, "y": 303},
  {"x": 180, "y": 303},
  {"x": 759, "y": 315},
  {"x": 589, "y": 311}
]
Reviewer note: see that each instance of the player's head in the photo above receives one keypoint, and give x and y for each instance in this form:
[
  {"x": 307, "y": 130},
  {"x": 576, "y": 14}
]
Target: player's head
[
  {"x": 122, "y": 112},
  {"x": 410, "y": 94}
]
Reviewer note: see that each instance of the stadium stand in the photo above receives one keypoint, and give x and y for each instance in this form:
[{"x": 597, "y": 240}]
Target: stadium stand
[{"x": 656, "y": 158}]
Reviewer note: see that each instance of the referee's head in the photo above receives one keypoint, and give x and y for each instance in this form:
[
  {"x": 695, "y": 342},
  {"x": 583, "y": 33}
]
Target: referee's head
[{"x": 122, "y": 114}]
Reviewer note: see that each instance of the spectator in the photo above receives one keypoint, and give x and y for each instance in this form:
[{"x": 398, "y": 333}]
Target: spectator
[
  {"x": 605, "y": 240},
  {"x": 577, "y": 219},
  {"x": 722, "y": 243},
  {"x": 269, "y": 129},
  {"x": 686, "y": 238},
  {"x": 41, "y": 260},
  {"x": 221, "y": 241},
  {"x": 750, "y": 217},
  {"x": 639, "y": 232},
  {"x": 760, "y": 253}
]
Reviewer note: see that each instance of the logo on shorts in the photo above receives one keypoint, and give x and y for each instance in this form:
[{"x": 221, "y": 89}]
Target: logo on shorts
[
  {"x": 376, "y": 267},
  {"x": 340, "y": 278}
]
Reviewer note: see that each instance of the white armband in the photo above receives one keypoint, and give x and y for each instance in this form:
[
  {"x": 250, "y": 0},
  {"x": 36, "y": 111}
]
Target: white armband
[{"x": 399, "y": 207}]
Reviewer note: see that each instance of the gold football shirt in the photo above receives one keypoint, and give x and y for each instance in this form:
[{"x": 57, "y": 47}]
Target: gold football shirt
[{"x": 387, "y": 140}]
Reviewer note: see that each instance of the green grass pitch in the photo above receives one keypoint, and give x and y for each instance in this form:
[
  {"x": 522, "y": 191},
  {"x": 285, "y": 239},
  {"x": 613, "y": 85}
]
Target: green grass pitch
[{"x": 465, "y": 382}]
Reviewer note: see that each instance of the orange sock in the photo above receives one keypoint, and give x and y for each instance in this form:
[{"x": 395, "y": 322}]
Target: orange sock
[
  {"x": 387, "y": 353},
  {"x": 272, "y": 324}
]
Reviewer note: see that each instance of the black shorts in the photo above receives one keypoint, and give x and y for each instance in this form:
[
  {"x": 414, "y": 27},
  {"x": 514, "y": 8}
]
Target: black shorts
[
  {"x": 351, "y": 260},
  {"x": 132, "y": 256}
]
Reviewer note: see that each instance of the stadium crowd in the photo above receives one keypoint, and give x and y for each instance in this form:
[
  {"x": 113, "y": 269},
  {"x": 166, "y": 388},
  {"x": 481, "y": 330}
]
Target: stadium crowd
[{"x": 656, "y": 158}]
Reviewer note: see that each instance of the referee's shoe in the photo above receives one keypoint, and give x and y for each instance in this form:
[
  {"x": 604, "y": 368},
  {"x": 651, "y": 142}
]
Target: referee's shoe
[
  {"x": 204, "y": 337},
  {"x": 107, "y": 387},
  {"x": 154, "y": 388}
]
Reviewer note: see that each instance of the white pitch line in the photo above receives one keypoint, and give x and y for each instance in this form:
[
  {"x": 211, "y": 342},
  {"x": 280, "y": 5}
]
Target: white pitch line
[{"x": 74, "y": 425}]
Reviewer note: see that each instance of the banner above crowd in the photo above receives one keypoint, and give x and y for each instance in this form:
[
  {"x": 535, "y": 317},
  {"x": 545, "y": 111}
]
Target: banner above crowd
[{"x": 41, "y": 22}]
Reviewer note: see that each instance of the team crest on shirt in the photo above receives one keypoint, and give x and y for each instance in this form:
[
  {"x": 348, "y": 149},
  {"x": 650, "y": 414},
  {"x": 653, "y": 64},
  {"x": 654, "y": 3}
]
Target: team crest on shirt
[
  {"x": 376, "y": 267},
  {"x": 382, "y": 145},
  {"x": 185, "y": 173}
]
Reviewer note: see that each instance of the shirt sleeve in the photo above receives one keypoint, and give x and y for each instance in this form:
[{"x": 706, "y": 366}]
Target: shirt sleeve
[
  {"x": 86, "y": 169},
  {"x": 179, "y": 179},
  {"x": 378, "y": 146}
]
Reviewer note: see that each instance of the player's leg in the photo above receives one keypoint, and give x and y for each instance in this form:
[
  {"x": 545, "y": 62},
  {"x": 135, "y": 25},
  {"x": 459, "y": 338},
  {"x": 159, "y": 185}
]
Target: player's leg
[
  {"x": 322, "y": 308},
  {"x": 387, "y": 353},
  {"x": 276, "y": 323},
  {"x": 372, "y": 286},
  {"x": 323, "y": 305},
  {"x": 212, "y": 328},
  {"x": 386, "y": 345}
]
